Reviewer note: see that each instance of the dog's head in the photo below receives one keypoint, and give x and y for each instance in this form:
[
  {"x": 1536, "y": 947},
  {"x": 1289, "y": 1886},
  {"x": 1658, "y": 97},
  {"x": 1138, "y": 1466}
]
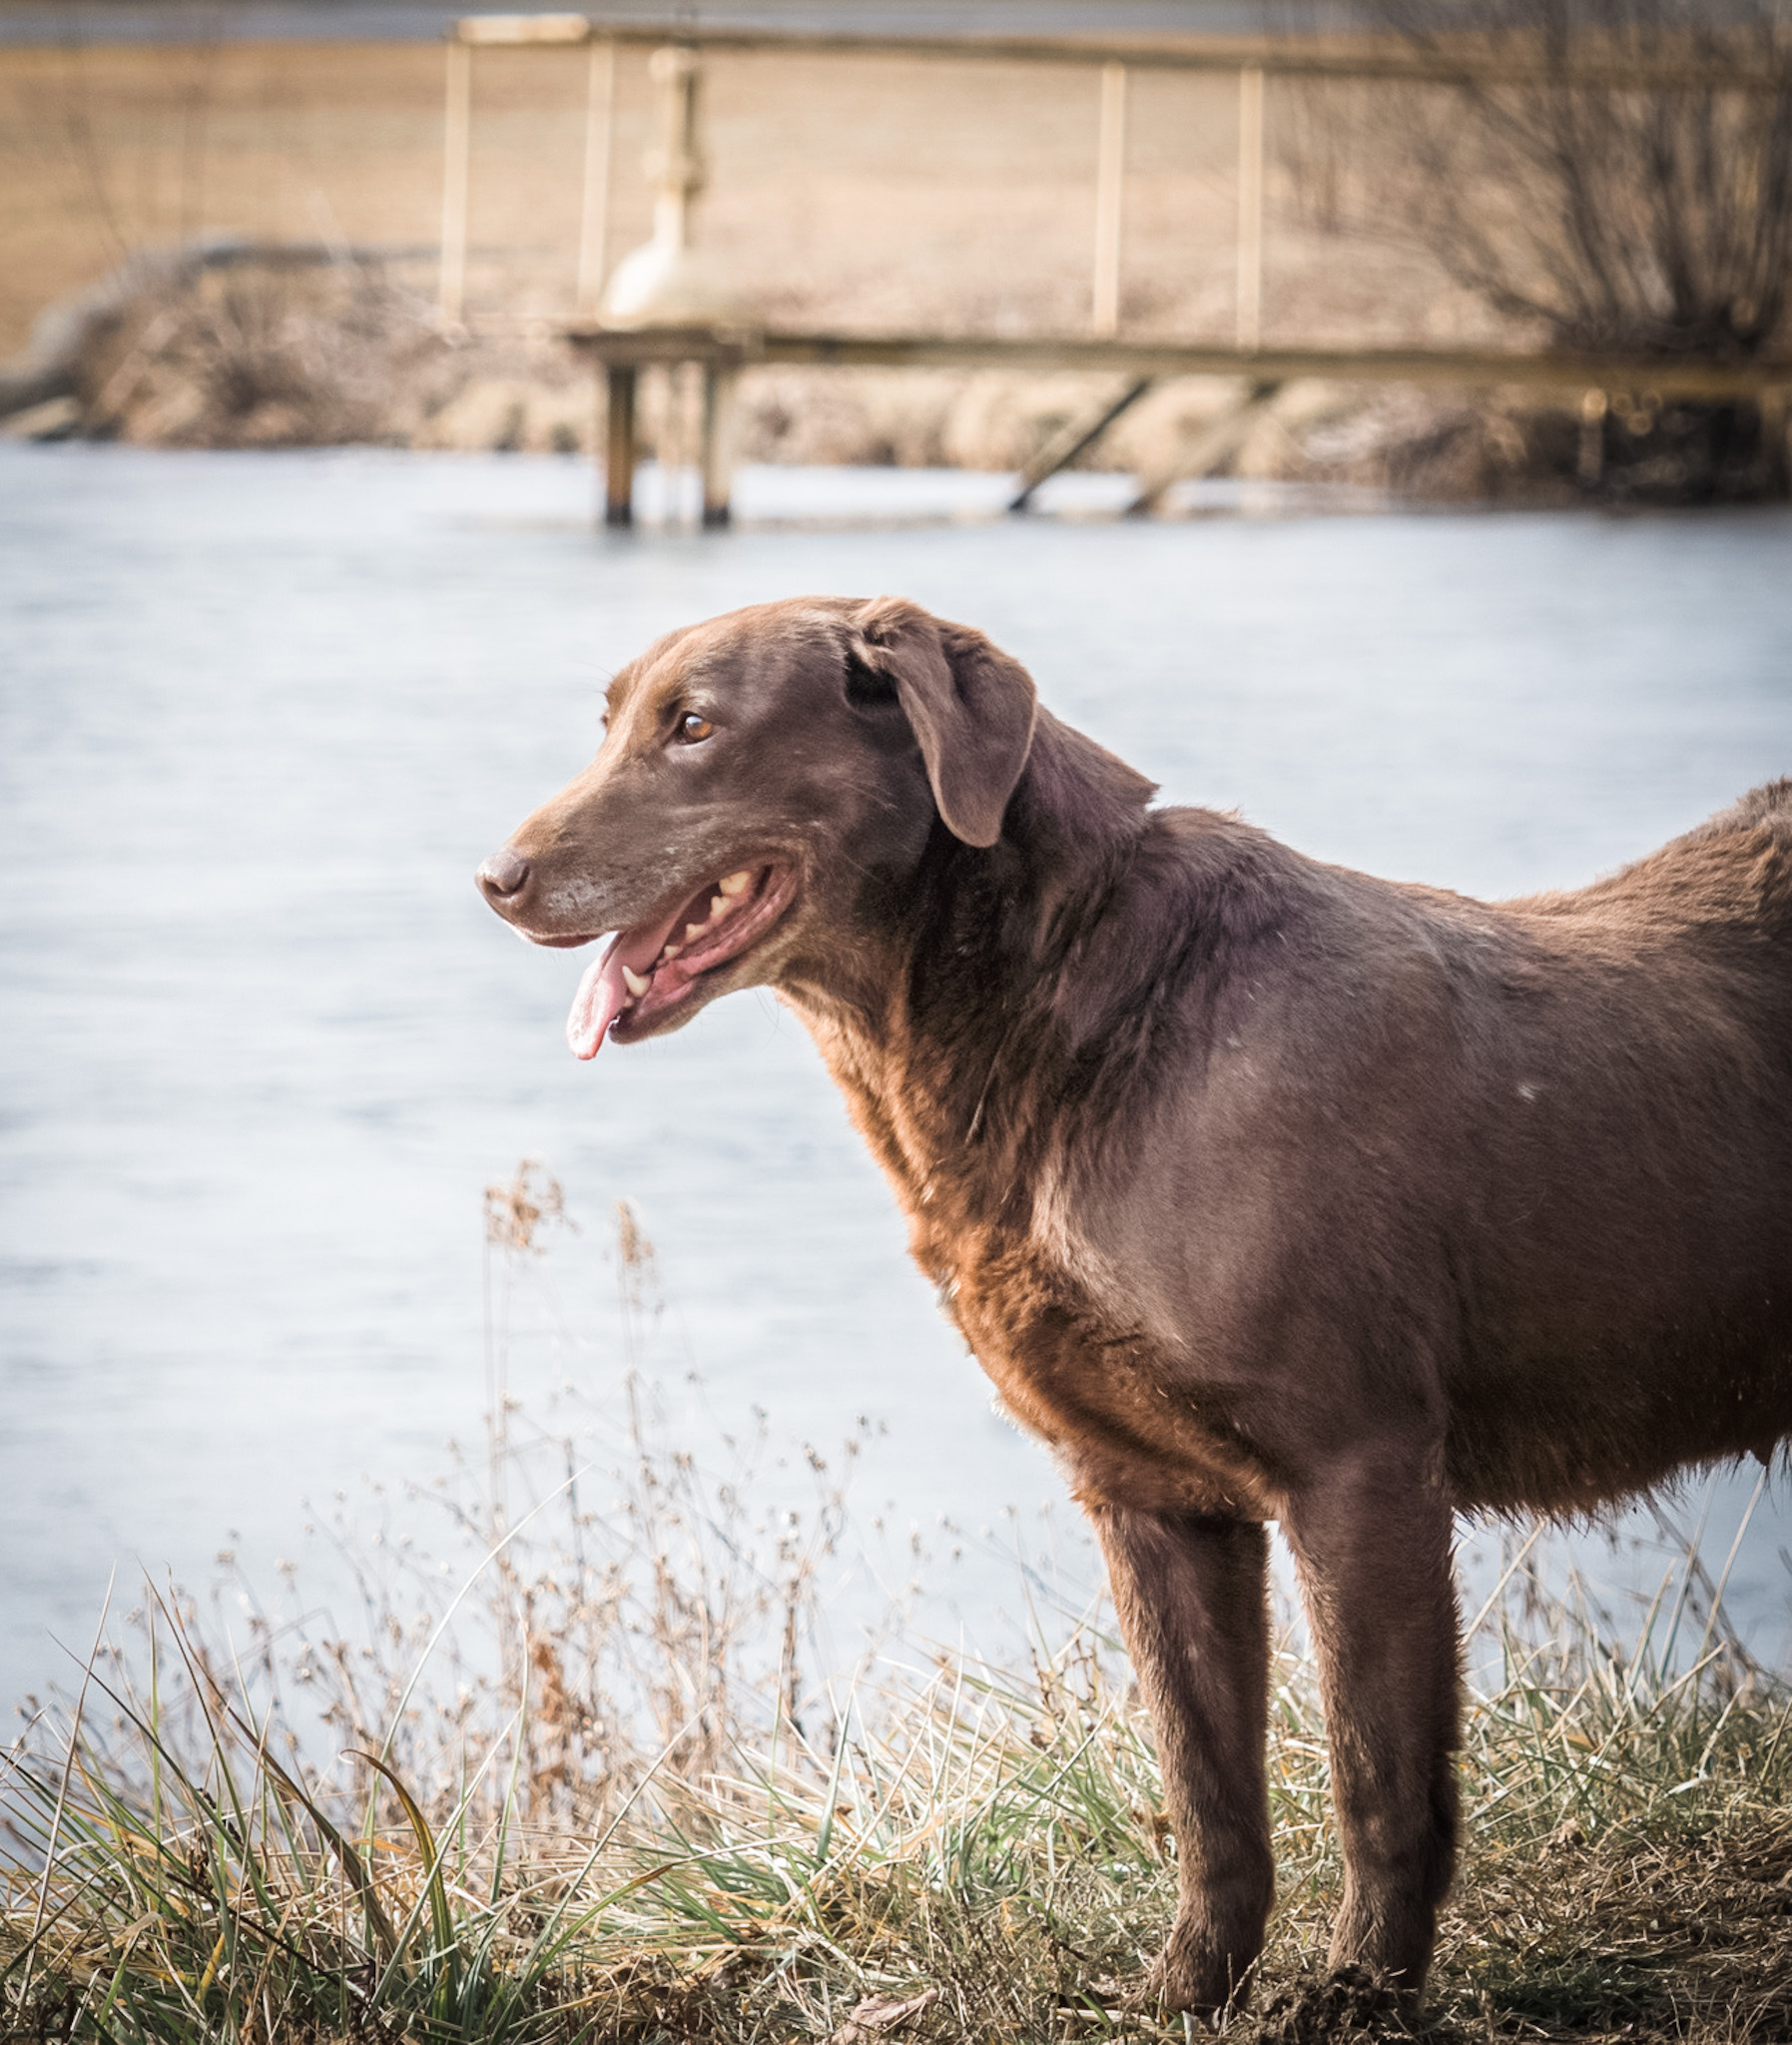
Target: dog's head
[{"x": 761, "y": 777}]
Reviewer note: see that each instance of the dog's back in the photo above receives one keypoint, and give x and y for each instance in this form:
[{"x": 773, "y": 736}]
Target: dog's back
[
  {"x": 1541, "y": 1148},
  {"x": 1768, "y": 807},
  {"x": 1631, "y": 1310}
]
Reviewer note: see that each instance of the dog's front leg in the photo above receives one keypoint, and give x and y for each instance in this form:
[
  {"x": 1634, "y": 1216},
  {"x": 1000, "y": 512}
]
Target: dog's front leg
[
  {"x": 1372, "y": 1540},
  {"x": 1192, "y": 1594}
]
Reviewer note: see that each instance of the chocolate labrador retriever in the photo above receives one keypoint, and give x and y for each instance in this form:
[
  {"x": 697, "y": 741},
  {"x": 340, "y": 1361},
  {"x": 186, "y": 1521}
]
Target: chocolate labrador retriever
[{"x": 1264, "y": 1190}]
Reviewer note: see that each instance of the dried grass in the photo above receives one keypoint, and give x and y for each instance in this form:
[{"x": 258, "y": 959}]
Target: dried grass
[
  {"x": 600, "y": 1787},
  {"x": 838, "y": 195}
]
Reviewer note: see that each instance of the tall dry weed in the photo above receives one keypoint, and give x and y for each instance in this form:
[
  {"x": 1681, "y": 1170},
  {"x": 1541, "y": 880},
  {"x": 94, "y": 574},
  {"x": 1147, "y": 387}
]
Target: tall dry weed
[{"x": 598, "y": 1782}]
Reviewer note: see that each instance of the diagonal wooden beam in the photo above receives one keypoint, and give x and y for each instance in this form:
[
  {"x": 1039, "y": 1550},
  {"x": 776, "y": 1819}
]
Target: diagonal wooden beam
[
  {"x": 1218, "y": 438},
  {"x": 1069, "y": 441}
]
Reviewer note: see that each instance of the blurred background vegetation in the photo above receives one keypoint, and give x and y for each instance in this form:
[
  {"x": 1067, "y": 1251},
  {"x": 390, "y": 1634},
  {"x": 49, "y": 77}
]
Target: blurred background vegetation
[{"x": 1583, "y": 174}]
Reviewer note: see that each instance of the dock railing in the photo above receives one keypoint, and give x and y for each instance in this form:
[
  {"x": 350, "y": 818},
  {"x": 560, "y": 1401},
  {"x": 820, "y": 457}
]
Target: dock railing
[{"x": 620, "y": 353}]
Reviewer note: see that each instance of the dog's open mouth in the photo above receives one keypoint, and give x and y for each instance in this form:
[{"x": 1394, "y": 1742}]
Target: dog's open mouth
[{"x": 646, "y": 972}]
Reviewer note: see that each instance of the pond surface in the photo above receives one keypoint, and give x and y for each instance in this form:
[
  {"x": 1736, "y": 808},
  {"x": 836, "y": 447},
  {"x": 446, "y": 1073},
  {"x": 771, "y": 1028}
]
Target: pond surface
[{"x": 261, "y": 715}]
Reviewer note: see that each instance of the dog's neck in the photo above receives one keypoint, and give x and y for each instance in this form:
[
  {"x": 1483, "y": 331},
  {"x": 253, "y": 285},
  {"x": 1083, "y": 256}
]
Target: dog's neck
[{"x": 1000, "y": 982}]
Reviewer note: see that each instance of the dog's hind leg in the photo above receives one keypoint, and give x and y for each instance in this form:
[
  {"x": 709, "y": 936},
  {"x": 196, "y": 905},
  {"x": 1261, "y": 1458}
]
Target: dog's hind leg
[
  {"x": 1192, "y": 1596},
  {"x": 1372, "y": 1540}
]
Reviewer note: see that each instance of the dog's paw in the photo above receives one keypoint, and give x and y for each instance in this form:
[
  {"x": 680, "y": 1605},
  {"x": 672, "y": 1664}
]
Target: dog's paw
[
  {"x": 1195, "y": 1972},
  {"x": 1327, "y": 2009}
]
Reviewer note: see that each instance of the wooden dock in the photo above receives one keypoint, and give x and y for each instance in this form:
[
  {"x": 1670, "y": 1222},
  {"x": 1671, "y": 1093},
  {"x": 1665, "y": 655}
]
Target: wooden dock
[
  {"x": 1260, "y": 372},
  {"x": 621, "y": 348}
]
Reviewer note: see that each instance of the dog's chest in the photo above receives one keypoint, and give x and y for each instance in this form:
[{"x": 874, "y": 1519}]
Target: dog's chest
[
  {"x": 1046, "y": 1316},
  {"x": 1122, "y": 1416}
]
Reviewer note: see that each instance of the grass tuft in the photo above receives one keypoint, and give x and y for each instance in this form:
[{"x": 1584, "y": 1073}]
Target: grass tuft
[{"x": 584, "y": 1792}]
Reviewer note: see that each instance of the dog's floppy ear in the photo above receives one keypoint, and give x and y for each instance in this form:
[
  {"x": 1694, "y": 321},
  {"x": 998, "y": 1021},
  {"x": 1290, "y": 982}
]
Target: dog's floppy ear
[{"x": 970, "y": 706}]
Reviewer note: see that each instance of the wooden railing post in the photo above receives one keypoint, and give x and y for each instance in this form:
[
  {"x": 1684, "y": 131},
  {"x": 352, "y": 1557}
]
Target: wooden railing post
[
  {"x": 450, "y": 288},
  {"x": 1250, "y": 206},
  {"x": 594, "y": 208},
  {"x": 1110, "y": 189}
]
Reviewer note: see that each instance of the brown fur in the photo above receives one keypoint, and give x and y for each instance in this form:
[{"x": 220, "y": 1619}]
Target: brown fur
[{"x": 1262, "y": 1189}]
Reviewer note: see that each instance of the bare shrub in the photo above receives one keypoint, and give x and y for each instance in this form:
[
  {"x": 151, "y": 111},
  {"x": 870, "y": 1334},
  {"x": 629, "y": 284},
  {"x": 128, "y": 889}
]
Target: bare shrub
[
  {"x": 259, "y": 355},
  {"x": 1616, "y": 174}
]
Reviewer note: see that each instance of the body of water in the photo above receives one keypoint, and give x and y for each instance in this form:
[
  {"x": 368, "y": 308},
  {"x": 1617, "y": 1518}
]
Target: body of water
[{"x": 261, "y": 715}]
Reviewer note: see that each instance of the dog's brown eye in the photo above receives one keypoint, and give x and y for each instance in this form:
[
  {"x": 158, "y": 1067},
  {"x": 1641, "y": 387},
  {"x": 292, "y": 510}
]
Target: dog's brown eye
[{"x": 692, "y": 730}]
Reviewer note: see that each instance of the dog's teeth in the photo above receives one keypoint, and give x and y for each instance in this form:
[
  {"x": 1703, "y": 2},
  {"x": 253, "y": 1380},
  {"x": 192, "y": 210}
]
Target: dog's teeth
[
  {"x": 735, "y": 884},
  {"x": 694, "y": 930},
  {"x": 719, "y": 906},
  {"x": 671, "y": 951},
  {"x": 634, "y": 981}
]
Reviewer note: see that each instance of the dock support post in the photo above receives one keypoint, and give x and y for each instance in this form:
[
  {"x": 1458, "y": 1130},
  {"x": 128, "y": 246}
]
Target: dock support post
[
  {"x": 1110, "y": 186},
  {"x": 618, "y": 446},
  {"x": 1250, "y": 206},
  {"x": 1594, "y": 407},
  {"x": 1776, "y": 431},
  {"x": 450, "y": 288},
  {"x": 716, "y": 447}
]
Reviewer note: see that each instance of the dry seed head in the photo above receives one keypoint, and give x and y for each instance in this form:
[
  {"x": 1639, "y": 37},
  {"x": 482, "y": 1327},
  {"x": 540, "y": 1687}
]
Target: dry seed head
[
  {"x": 632, "y": 1246},
  {"x": 514, "y": 1214}
]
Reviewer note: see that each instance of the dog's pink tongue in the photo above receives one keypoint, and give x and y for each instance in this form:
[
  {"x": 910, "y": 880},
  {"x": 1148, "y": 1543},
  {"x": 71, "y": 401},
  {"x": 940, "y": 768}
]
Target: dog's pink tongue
[
  {"x": 602, "y": 997},
  {"x": 603, "y": 992}
]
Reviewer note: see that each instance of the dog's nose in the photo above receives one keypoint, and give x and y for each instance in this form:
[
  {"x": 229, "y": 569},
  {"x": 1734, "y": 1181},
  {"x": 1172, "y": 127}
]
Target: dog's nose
[{"x": 503, "y": 875}]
